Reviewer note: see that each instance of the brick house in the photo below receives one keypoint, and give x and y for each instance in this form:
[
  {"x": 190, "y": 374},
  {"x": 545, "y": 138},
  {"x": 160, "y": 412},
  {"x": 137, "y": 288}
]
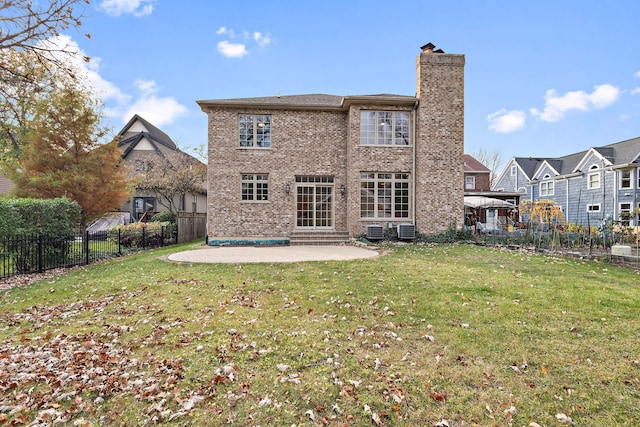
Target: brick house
[
  {"x": 477, "y": 177},
  {"x": 482, "y": 204},
  {"x": 325, "y": 167}
]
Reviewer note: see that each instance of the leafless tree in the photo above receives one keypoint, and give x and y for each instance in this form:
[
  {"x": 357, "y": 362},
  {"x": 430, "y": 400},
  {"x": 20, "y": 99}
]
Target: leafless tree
[
  {"x": 26, "y": 25},
  {"x": 492, "y": 160}
]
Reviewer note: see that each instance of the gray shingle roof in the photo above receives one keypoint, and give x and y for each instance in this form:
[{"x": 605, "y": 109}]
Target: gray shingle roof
[
  {"x": 315, "y": 100},
  {"x": 618, "y": 153}
]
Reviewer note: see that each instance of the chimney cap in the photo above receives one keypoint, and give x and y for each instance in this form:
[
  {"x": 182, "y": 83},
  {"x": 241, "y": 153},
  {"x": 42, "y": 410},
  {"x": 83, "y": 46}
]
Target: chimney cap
[{"x": 428, "y": 46}]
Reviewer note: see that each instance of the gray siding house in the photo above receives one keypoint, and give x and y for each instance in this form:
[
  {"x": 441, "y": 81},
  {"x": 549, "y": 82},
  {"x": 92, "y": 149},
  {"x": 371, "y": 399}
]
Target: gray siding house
[{"x": 591, "y": 186}]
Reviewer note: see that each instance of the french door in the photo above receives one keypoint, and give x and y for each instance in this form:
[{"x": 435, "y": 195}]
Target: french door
[{"x": 314, "y": 202}]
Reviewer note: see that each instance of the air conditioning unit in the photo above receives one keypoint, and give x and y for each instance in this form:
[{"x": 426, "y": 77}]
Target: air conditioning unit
[
  {"x": 406, "y": 231},
  {"x": 375, "y": 232}
]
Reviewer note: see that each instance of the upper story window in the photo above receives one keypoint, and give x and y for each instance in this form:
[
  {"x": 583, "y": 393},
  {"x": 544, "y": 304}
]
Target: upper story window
[
  {"x": 593, "y": 178},
  {"x": 255, "y": 131},
  {"x": 384, "y": 128},
  {"x": 514, "y": 170},
  {"x": 625, "y": 179},
  {"x": 547, "y": 187},
  {"x": 255, "y": 187},
  {"x": 384, "y": 195},
  {"x": 469, "y": 182}
]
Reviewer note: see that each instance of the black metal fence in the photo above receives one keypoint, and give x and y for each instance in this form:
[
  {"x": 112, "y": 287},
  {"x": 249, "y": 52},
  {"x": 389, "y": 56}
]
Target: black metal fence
[{"x": 36, "y": 254}]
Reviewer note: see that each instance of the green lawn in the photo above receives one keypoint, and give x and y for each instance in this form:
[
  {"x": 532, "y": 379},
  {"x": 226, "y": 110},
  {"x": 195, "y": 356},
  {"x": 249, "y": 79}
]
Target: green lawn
[{"x": 423, "y": 333}]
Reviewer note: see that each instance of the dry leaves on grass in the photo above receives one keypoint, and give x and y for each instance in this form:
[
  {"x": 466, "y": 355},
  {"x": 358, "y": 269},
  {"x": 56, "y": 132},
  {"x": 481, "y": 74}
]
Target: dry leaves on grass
[{"x": 46, "y": 379}]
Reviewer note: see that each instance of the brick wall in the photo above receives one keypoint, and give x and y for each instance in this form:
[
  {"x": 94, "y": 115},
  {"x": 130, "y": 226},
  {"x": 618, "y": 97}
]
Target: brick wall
[
  {"x": 440, "y": 146},
  {"x": 326, "y": 141},
  {"x": 302, "y": 143}
]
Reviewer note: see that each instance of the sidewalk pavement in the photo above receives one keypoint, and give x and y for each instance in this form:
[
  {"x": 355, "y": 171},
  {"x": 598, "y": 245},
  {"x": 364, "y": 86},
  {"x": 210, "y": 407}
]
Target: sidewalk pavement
[{"x": 250, "y": 254}]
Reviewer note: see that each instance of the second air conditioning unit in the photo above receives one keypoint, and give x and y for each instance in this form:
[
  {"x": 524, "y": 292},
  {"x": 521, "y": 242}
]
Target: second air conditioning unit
[{"x": 406, "y": 231}]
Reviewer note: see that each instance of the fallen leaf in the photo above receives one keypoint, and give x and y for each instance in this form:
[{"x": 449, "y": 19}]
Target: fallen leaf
[{"x": 564, "y": 419}]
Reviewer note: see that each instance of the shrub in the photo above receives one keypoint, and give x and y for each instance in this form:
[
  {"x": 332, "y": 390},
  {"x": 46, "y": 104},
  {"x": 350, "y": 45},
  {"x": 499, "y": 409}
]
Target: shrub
[
  {"x": 37, "y": 232},
  {"x": 50, "y": 217},
  {"x": 141, "y": 234},
  {"x": 164, "y": 216}
]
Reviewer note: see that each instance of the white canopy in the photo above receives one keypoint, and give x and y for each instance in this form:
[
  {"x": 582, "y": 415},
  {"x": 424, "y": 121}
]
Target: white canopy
[{"x": 480, "y": 202}]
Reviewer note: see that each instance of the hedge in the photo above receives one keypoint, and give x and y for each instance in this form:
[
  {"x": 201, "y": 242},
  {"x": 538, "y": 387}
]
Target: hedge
[{"x": 50, "y": 217}]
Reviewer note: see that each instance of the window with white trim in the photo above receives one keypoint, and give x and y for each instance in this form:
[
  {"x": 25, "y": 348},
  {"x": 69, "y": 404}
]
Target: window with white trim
[
  {"x": 514, "y": 170},
  {"x": 593, "y": 180},
  {"x": 384, "y": 195},
  {"x": 593, "y": 208},
  {"x": 384, "y": 128},
  {"x": 255, "y": 131},
  {"x": 625, "y": 178},
  {"x": 625, "y": 214},
  {"x": 469, "y": 182},
  {"x": 546, "y": 187},
  {"x": 255, "y": 187}
]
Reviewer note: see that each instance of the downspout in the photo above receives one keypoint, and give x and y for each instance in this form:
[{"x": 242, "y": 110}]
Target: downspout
[{"x": 413, "y": 166}]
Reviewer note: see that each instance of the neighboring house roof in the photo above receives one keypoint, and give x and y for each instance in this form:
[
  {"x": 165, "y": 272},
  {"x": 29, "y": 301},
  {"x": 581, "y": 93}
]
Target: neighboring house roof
[
  {"x": 131, "y": 135},
  {"x": 619, "y": 153},
  {"x": 472, "y": 165},
  {"x": 528, "y": 165},
  {"x": 308, "y": 102},
  {"x": 139, "y": 138}
]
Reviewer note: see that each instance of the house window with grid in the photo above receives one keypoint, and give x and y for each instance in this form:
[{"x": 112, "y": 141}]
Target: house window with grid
[
  {"x": 384, "y": 128},
  {"x": 625, "y": 178},
  {"x": 384, "y": 195},
  {"x": 593, "y": 181},
  {"x": 546, "y": 188},
  {"x": 625, "y": 214},
  {"x": 255, "y": 131},
  {"x": 255, "y": 187},
  {"x": 593, "y": 208},
  {"x": 469, "y": 182}
]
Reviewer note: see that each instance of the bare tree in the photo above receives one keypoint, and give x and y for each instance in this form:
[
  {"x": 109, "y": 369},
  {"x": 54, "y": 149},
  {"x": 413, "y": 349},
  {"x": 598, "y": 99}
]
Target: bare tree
[
  {"x": 33, "y": 63},
  {"x": 170, "y": 175},
  {"x": 26, "y": 25},
  {"x": 492, "y": 160}
]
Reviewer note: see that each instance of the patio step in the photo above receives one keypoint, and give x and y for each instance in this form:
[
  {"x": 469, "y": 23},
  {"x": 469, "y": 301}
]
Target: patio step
[{"x": 319, "y": 237}]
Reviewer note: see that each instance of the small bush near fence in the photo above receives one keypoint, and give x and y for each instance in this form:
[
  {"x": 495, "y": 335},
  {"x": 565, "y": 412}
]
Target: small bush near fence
[{"x": 35, "y": 254}]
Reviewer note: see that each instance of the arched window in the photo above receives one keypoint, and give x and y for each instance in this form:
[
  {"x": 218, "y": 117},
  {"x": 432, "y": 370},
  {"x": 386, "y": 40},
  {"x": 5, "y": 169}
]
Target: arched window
[{"x": 593, "y": 179}]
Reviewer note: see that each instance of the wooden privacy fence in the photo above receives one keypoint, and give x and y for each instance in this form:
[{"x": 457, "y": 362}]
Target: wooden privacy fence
[{"x": 191, "y": 226}]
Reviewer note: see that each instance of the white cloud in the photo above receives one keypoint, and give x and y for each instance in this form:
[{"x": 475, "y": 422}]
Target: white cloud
[
  {"x": 232, "y": 50},
  {"x": 90, "y": 71},
  {"x": 261, "y": 39},
  {"x": 504, "y": 121},
  {"x": 637, "y": 74},
  {"x": 557, "y": 106},
  {"x": 159, "y": 111},
  {"x": 121, "y": 7},
  {"x": 118, "y": 104},
  {"x": 226, "y": 32},
  {"x": 635, "y": 91},
  {"x": 147, "y": 87},
  {"x": 238, "y": 50}
]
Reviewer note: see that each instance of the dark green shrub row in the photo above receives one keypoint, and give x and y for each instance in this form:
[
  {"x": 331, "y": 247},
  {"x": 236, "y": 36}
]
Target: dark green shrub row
[{"x": 50, "y": 217}]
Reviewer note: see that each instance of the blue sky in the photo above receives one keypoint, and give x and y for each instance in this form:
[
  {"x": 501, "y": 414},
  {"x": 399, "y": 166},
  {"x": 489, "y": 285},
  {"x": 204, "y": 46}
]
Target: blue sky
[{"x": 544, "y": 78}]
